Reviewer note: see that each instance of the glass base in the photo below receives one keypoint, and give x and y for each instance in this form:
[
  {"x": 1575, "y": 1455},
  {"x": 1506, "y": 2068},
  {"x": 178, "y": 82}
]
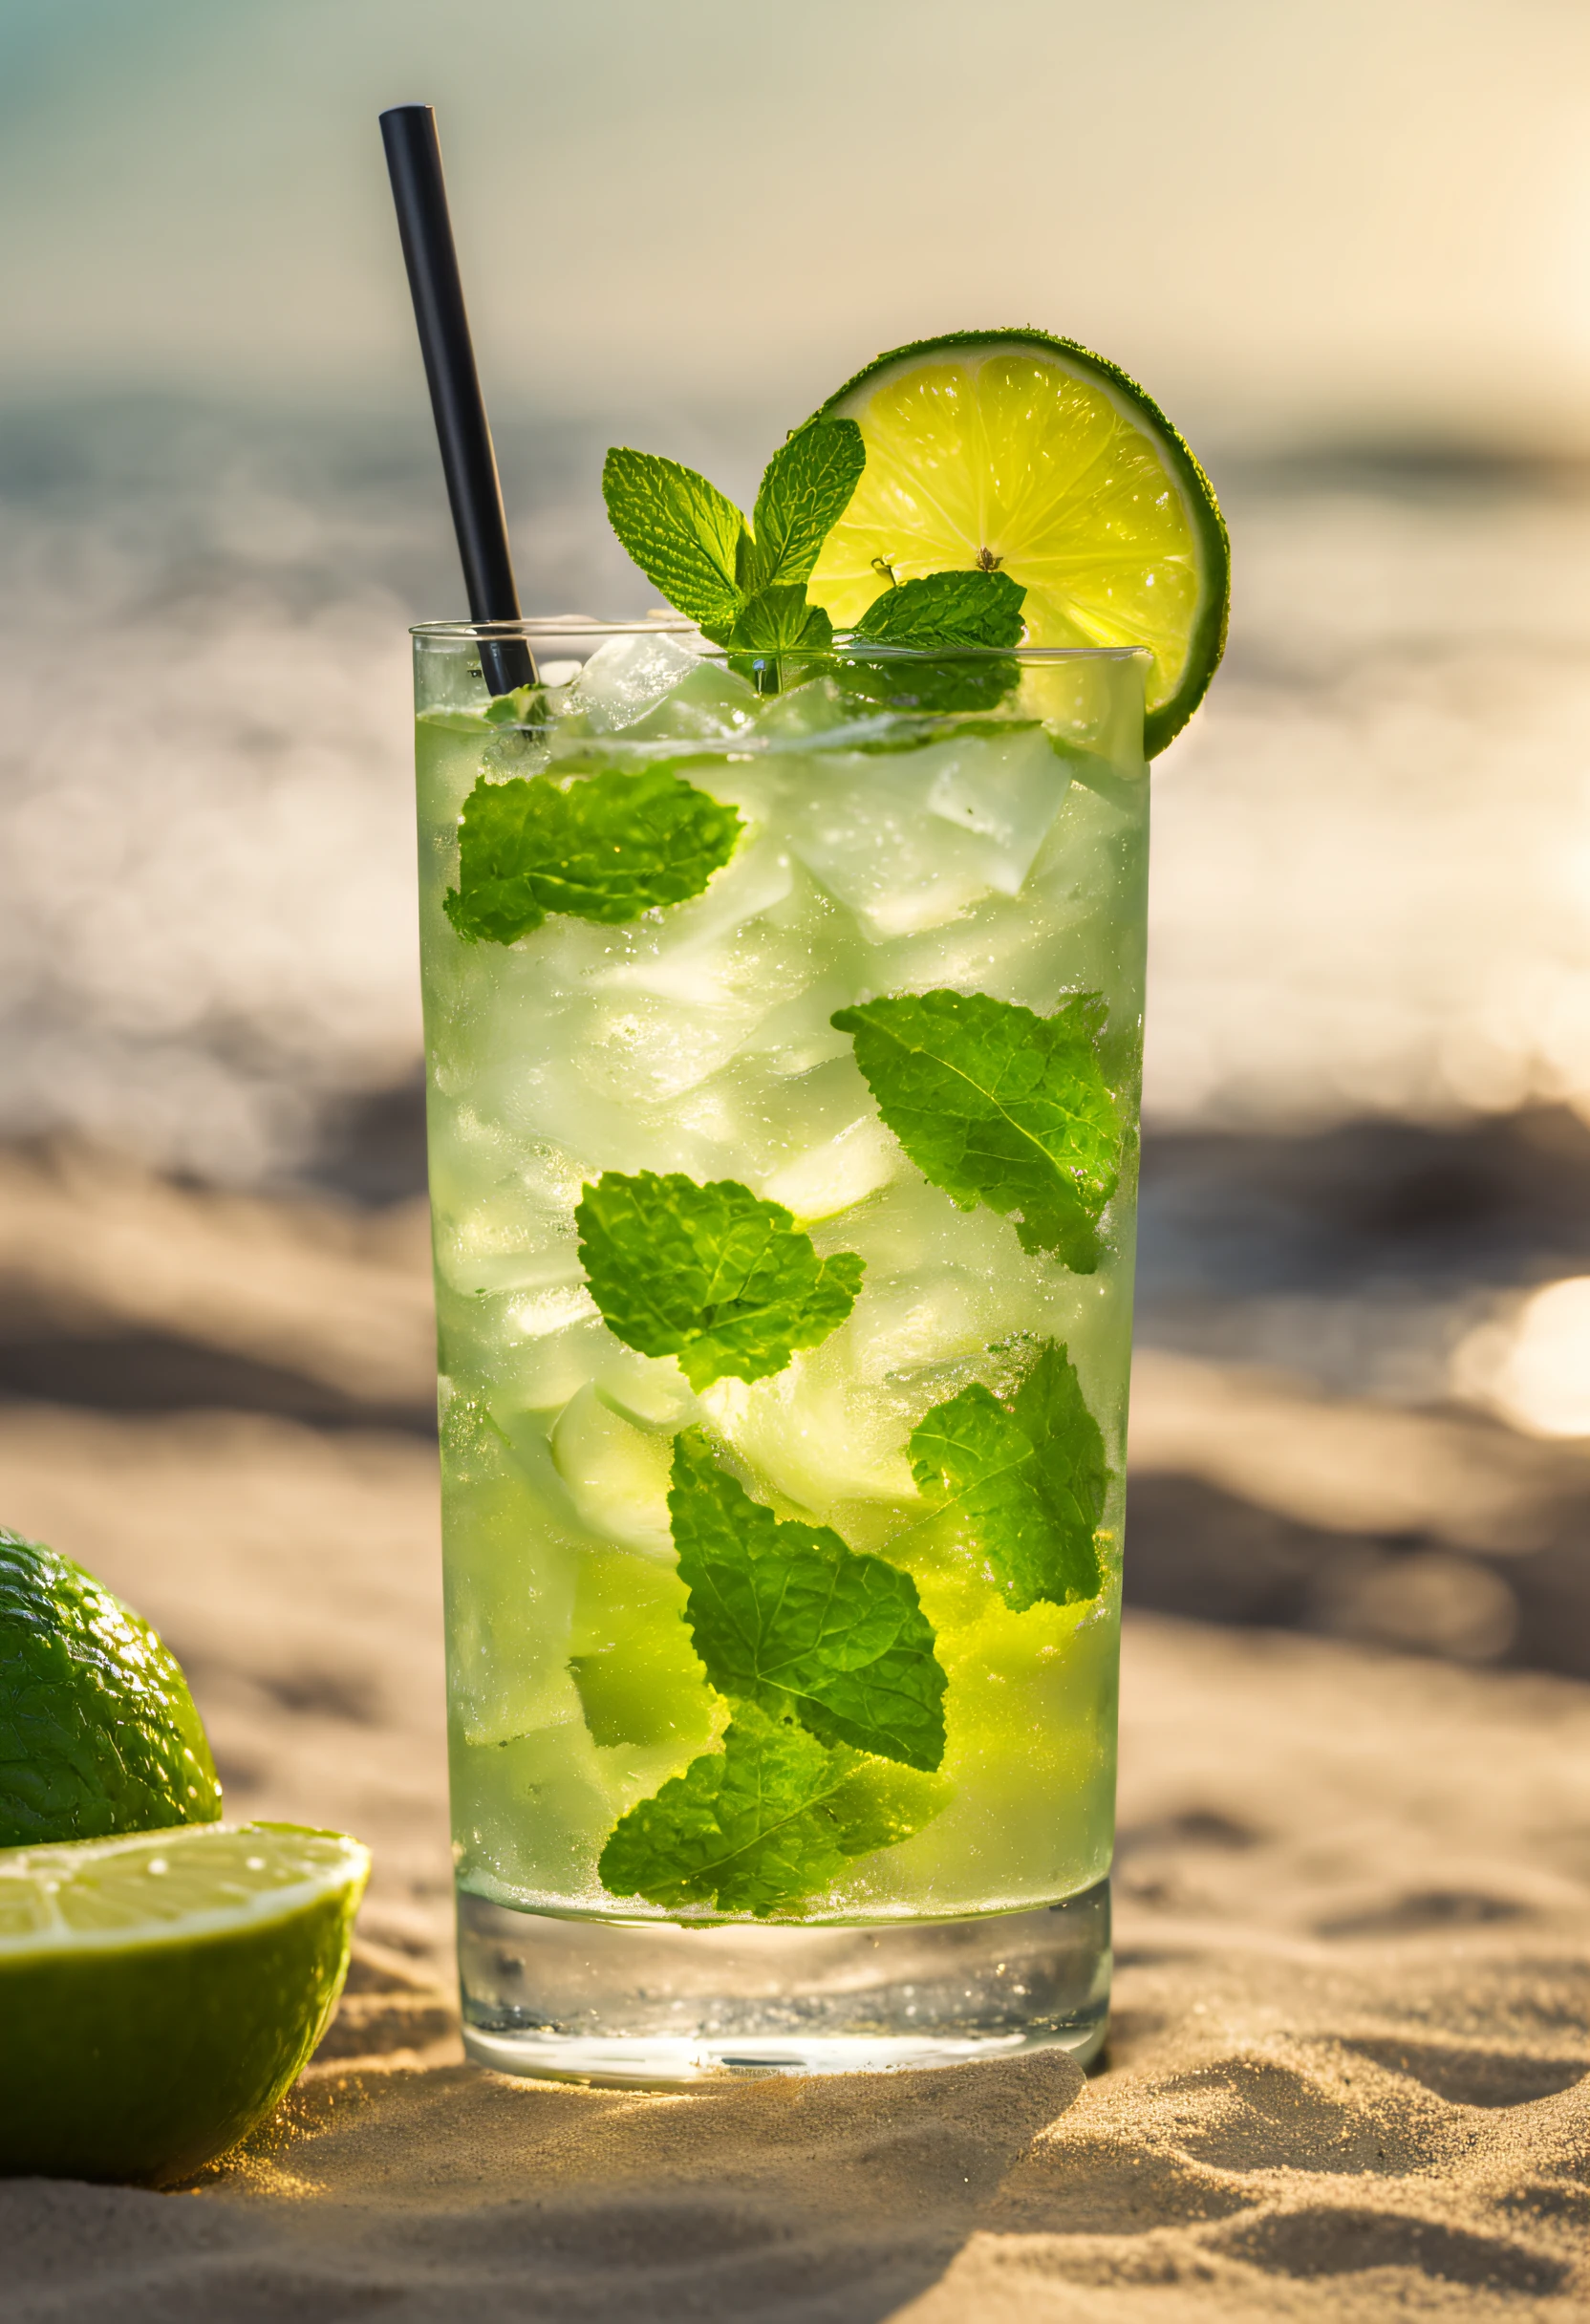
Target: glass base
[{"x": 648, "y": 2004}]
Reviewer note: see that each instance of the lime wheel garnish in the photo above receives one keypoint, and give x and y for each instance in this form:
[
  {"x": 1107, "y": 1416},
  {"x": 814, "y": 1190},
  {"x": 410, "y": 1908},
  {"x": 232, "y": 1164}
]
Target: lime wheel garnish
[{"x": 1019, "y": 453}]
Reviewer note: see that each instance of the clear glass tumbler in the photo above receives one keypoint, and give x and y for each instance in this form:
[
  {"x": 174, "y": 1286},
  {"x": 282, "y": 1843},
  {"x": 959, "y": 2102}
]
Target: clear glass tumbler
[{"x": 784, "y": 1021}]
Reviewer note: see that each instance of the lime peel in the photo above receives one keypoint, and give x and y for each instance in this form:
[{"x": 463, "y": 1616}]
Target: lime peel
[{"x": 98, "y": 1732}]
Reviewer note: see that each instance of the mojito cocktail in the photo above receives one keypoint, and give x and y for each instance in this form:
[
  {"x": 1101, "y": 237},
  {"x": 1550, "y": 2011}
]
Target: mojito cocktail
[{"x": 783, "y": 993}]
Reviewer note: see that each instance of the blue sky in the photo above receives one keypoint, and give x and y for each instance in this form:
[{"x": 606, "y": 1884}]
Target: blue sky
[{"x": 1280, "y": 215}]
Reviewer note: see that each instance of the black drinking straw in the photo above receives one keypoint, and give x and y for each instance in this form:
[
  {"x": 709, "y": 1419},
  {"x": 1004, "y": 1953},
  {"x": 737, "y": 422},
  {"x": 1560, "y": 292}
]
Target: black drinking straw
[{"x": 468, "y": 461}]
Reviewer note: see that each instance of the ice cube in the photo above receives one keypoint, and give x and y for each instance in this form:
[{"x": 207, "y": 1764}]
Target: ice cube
[
  {"x": 652, "y": 1049},
  {"x": 1004, "y": 791},
  {"x": 535, "y": 1349},
  {"x": 505, "y": 1231},
  {"x": 924, "y": 1321},
  {"x": 632, "y": 1772},
  {"x": 620, "y": 1127},
  {"x": 726, "y": 1140},
  {"x": 556, "y": 1101},
  {"x": 744, "y": 974},
  {"x": 709, "y": 704},
  {"x": 550, "y": 1174},
  {"x": 910, "y": 1227},
  {"x": 943, "y": 1285},
  {"x": 553, "y": 1309},
  {"x": 816, "y": 1431},
  {"x": 625, "y": 676},
  {"x": 910, "y": 840},
  {"x": 616, "y": 1475},
  {"x": 511, "y": 1578},
  {"x": 795, "y": 1038},
  {"x": 839, "y": 1173},
  {"x": 676, "y": 1014},
  {"x": 1008, "y": 949},
  {"x": 650, "y": 1393},
  {"x": 673, "y": 996},
  {"x": 543, "y": 1369},
  {"x": 1062, "y": 935},
  {"x": 758, "y": 878},
  {"x": 534, "y": 1811},
  {"x": 475, "y": 1255},
  {"x": 864, "y": 830},
  {"x": 815, "y": 707},
  {"x": 755, "y": 1116},
  {"x": 817, "y": 715},
  {"x": 708, "y": 949}
]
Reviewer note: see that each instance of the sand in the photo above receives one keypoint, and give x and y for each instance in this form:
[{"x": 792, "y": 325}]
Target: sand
[{"x": 1349, "y": 2071}]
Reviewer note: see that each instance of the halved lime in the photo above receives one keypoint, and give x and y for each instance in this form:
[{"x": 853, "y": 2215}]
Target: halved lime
[
  {"x": 1026, "y": 454},
  {"x": 159, "y": 1992}
]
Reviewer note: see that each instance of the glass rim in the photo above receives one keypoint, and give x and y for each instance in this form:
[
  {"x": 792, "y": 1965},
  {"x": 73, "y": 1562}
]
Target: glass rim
[{"x": 535, "y": 628}]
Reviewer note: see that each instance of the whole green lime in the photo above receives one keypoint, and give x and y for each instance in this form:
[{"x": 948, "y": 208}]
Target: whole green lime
[
  {"x": 97, "y": 1730},
  {"x": 160, "y": 1991}
]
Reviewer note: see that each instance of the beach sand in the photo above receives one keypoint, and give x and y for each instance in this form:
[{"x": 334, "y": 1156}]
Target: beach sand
[{"x": 1349, "y": 2069}]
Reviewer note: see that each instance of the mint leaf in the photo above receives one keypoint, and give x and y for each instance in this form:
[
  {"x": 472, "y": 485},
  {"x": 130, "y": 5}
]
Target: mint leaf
[
  {"x": 762, "y": 1823},
  {"x": 694, "y": 545},
  {"x": 1024, "y": 1482},
  {"x": 805, "y": 490},
  {"x": 958, "y": 682},
  {"x": 681, "y": 532},
  {"x": 1074, "y": 1477},
  {"x": 789, "y": 1616},
  {"x": 998, "y": 1104},
  {"x": 778, "y": 620},
  {"x": 606, "y": 845},
  {"x": 954, "y": 609},
  {"x": 710, "y": 1274},
  {"x": 524, "y": 706}
]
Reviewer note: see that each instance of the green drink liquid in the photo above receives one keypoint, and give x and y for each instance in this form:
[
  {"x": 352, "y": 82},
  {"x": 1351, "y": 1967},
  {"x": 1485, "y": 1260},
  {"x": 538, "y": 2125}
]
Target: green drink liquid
[{"x": 975, "y": 827}]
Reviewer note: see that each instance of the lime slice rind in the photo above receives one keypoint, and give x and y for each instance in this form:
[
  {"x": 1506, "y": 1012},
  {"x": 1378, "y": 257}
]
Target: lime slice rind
[{"x": 1108, "y": 479}]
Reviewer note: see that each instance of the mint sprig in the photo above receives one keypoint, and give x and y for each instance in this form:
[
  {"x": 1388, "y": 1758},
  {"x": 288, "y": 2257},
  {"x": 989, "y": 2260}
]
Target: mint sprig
[
  {"x": 743, "y": 585},
  {"x": 709, "y": 1273},
  {"x": 680, "y": 530},
  {"x": 695, "y": 545},
  {"x": 976, "y": 609},
  {"x": 789, "y": 1616},
  {"x": 765, "y": 1820},
  {"x": 998, "y": 1104},
  {"x": 1022, "y": 1481},
  {"x": 605, "y": 846}
]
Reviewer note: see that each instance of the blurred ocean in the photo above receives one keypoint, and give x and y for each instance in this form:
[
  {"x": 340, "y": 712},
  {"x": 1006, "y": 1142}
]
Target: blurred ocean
[{"x": 1370, "y": 991}]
